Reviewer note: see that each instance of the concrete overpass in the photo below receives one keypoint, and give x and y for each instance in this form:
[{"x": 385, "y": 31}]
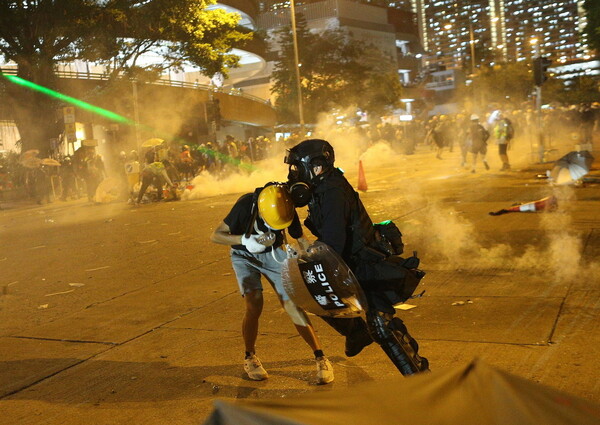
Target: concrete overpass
[{"x": 164, "y": 108}]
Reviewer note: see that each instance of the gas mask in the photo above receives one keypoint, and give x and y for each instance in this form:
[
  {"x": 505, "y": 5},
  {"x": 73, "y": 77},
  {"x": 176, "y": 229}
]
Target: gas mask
[
  {"x": 301, "y": 182},
  {"x": 301, "y": 159}
]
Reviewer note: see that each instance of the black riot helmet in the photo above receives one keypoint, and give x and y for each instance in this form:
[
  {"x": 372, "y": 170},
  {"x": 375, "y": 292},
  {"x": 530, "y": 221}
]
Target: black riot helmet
[{"x": 301, "y": 159}]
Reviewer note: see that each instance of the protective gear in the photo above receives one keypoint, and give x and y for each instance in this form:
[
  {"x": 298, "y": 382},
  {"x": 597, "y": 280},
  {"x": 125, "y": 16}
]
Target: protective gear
[
  {"x": 300, "y": 193},
  {"x": 474, "y": 117},
  {"x": 252, "y": 245},
  {"x": 275, "y": 206},
  {"x": 319, "y": 282},
  {"x": 301, "y": 159}
]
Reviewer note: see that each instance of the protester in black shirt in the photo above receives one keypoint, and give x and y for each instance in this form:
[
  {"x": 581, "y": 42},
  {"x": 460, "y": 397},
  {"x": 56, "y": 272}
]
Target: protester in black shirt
[{"x": 254, "y": 230}]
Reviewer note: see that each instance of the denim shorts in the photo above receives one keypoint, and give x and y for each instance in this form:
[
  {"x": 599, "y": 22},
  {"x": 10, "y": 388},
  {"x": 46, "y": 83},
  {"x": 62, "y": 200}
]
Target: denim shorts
[{"x": 249, "y": 268}]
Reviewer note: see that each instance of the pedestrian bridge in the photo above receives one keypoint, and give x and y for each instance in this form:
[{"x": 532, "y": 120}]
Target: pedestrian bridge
[{"x": 168, "y": 106}]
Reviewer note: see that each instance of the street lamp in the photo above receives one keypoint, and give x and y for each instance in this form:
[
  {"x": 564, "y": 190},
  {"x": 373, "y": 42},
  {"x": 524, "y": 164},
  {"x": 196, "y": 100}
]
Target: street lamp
[
  {"x": 297, "y": 66},
  {"x": 538, "y": 100}
]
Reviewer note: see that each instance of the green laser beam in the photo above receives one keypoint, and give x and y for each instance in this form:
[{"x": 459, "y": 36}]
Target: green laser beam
[
  {"x": 114, "y": 116},
  {"x": 68, "y": 99}
]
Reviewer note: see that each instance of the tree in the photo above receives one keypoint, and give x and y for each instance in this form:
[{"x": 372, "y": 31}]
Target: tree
[
  {"x": 511, "y": 82},
  {"x": 506, "y": 83},
  {"x": 592, "y": 28},
  {"x": 583, "y": 89},
  {"x": 39, "y": 34},
  {"x": 336, "y": 72}
]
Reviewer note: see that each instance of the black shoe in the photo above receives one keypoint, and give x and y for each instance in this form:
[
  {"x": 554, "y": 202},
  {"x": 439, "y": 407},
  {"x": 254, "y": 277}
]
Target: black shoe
[
  {"x": 487, "y": 167},
  {"x": 356, "y": 342}
]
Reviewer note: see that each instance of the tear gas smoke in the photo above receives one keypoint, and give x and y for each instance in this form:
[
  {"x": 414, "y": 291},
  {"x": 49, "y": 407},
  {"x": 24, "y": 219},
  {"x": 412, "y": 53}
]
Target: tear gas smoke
[
  {"x": 206, "y": 184},
  {"x": 447, "y": 239}
]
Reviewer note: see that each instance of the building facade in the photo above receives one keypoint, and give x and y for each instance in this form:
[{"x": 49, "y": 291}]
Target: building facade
[
  {"x": 464, "y": 34},
  {"x": 392, "y": 30}
]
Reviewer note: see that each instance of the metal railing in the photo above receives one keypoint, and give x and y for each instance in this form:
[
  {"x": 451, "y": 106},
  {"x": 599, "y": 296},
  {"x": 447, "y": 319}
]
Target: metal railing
[{"x": 76, "y": 75}]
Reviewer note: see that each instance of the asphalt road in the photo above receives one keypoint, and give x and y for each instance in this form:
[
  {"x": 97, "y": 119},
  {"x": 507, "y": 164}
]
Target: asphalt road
[{"x": 111, "y": 314}]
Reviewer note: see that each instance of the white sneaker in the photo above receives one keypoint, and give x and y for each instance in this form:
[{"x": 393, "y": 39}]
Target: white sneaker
[
  {"x": 254, "y": 368},
  {"x": 324, "y": 370}
]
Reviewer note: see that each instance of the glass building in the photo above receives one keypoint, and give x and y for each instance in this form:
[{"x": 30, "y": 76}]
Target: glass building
[{"x": 463, "y": 34}]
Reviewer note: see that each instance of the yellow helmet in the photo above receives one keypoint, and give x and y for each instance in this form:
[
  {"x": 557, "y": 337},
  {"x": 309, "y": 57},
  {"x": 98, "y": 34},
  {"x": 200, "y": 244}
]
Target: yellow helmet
[{"x": 275, "y": 206}]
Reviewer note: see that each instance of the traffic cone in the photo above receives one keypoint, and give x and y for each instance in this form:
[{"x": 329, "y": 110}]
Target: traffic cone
[
  {"x": 362, "y": 181},
  {"x": 549, "y": 203}
]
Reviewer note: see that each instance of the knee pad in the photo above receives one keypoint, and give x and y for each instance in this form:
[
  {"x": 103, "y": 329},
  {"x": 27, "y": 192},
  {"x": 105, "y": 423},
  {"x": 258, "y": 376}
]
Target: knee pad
[{"x": 298, "y": 316}]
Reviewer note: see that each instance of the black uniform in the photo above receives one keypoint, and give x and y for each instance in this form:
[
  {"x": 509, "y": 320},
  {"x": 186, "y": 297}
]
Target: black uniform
[{"x": 338, "y": 218}]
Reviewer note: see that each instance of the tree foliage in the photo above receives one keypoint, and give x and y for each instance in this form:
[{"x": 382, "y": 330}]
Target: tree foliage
[
  {"x": 39, "y": 34},
  {"x": 512, "y": 84},
  {"x": 336, "y": 72}
]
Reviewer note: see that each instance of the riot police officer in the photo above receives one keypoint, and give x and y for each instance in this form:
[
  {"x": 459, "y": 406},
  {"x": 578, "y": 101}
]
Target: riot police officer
[{"x": 338, "y": 218}]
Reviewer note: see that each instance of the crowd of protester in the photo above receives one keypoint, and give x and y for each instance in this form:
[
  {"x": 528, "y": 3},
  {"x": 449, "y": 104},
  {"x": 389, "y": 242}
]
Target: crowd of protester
[{"x": 80, "y": 174}]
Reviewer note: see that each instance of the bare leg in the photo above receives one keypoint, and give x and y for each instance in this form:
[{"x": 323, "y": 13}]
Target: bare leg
[
  {"x": 254, "y": 306},
  {"x": 307, "y": 331},
  {"x": 308, "y": 334}
]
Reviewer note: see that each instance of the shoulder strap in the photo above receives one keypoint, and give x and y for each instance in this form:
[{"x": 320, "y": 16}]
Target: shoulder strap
[{"x": 253, "y": 212}]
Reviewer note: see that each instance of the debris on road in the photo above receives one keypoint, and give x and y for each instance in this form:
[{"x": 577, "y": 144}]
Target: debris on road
[
  {"x": 42, "y": 306},
  {"x": 145, "y": 242},
  {"x": 462, "y": 302},
  {"x": 97, "y": 268},
  {"x": 549, "y": 203},
  {"x": 38, "y": 247},
  {"x": 571, "y": 167},
  {"x": 60, "y": 293},
  {"x": 404, "y": 306},
  {"x": 77, "y": 284}
]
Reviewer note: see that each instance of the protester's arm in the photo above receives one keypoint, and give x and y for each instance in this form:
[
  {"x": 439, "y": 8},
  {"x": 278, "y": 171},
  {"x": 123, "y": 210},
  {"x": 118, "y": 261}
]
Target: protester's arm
[
  {"x": 166, "y": 177},
  {"x": 222, "y": 235}
]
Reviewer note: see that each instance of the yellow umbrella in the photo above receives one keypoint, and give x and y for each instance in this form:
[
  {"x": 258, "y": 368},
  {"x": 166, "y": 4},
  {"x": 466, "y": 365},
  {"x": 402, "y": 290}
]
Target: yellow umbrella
[
  {"x": 155, "y": 141},
  {"x": 51, "y": 162}
]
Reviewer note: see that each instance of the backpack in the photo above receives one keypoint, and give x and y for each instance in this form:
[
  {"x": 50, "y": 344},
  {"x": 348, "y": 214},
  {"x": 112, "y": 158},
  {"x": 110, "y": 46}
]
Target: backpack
[{"x": 510, "y": 130}]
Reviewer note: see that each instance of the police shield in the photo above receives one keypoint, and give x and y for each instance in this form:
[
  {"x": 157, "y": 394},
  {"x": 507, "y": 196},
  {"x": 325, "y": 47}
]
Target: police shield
[{"x": 320, "y": 282}]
